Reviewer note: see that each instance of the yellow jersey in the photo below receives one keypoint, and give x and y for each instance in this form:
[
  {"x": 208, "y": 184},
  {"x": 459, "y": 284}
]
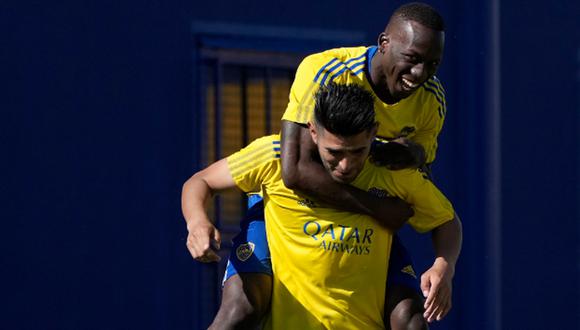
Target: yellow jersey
[
  {"x": 329, "y": 266},
  {"x": 418, "y": 117}
]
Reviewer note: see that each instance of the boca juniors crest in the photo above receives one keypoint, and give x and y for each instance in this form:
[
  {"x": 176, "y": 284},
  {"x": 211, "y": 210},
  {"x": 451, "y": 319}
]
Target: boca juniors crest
[{"x": 245, "y": 251}]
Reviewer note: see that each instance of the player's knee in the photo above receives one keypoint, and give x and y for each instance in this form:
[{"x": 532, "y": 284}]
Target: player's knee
[
  {"x": 408, "y": 315},
  {"x": 417, "y": 322},
  {"x": 243, "y": 306},
  {"x": 237, "y": 314},
  {"x": 243, "y": 313}
]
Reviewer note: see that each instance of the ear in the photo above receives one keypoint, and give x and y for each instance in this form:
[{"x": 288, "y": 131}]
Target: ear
[
  {"x": 313, "y": 132},
  {"x": 382, "y": 41}
]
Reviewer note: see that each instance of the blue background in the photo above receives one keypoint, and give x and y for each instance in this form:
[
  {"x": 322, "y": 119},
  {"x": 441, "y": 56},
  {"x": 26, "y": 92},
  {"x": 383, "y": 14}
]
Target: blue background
[{"x": 97, "y": 139}]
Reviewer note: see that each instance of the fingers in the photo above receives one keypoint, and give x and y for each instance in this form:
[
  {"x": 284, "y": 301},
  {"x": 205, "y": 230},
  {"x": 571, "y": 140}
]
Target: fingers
[
  {"x": 209, "y": 256},
  {"x": 438, "y": 302},
  {"x": 201, "y": 244},
  {"x": 432, "y": 294},
  {"x": 437, "y": 289},
  {"x": 432, "y": 309},
  {"x": 426, "y": 286},
  {"x": 217, "y": 239},
  {"x": 445, "y": 309},
  {"x": 440, "y": 307}
]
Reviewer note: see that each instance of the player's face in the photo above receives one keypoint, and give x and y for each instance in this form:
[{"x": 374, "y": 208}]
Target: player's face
[
  {"x": 411, "y": 55},
  {"x": 343, "y": 157}
]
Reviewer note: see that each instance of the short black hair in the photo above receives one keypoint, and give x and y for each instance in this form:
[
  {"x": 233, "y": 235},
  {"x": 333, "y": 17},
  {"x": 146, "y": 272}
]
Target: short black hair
[
  {"x": 421, "y": 13},
  {"x": 344, "y": 110}
]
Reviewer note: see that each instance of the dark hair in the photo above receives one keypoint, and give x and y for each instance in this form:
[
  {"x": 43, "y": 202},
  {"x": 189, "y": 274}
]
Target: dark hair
[
  {"x": 344, "y": 110},
  {"x": 421, "y": 13}
]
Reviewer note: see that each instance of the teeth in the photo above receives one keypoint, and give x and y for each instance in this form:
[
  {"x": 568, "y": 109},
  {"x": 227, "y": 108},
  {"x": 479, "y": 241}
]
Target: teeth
[{"x": 409, "y": 84}]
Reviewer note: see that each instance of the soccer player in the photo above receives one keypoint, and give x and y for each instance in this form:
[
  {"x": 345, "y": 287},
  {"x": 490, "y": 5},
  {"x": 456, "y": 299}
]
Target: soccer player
[
  {"x": 330, "y": 265},
  {"x": 410, "y": 108}
]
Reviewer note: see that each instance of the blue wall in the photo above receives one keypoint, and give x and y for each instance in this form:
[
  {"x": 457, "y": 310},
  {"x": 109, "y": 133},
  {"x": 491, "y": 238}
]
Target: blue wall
[
  {"x": 97, "y": 139},
  {"x": 540, "y": 125}
]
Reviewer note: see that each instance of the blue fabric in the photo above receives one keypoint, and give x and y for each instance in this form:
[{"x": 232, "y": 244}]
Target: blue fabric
[
  {"x": 401, "y": 269},
  {"x": 250, "y": 253}
]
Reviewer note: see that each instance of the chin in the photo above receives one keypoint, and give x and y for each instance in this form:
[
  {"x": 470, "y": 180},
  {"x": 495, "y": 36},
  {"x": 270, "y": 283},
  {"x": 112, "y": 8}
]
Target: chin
[{"x": 342, "y": 180}]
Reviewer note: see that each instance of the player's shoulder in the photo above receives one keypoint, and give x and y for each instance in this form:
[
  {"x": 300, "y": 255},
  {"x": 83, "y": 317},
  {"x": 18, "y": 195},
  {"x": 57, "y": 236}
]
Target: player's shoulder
[
  {"x": 269, "y": 145},
  {"x": 343, "y": 64},
  {"x": 259, "y": 152},
  {"x": 432, "y": 94},
  {"x": 346, "y": 53},
  {"x": 434, "y": 86},
  {"x": 336, "y": 55}
]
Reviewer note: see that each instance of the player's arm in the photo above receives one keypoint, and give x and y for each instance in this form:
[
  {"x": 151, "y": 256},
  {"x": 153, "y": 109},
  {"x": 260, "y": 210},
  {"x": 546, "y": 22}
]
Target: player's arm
[
  {"x": 436, "y": 283},
  {"x": 398, "y": 154},
  {"x": 433, "y": 213},
  {"x": 301, "y": 172},
  {"x": 202, "y": 236}
]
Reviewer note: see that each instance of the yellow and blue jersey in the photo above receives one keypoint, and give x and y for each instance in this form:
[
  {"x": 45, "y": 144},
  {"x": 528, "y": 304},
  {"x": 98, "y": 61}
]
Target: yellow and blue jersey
[
  {"x": 330, "y": 266},
  {"x": 419, "y": 117}
]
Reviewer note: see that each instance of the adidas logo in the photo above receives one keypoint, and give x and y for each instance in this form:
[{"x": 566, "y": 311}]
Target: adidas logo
[{"x": 409, "y": 270}]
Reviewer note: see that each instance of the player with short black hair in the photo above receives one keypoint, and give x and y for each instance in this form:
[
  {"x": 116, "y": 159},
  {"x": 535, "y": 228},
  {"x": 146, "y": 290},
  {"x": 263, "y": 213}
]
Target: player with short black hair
[
  {"x": 410, "y": 109},
  {"x": 330, "y": 266}
]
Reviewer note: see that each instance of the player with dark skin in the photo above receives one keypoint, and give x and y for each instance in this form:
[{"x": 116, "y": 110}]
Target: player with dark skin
[{"x": 409, "y": 54}]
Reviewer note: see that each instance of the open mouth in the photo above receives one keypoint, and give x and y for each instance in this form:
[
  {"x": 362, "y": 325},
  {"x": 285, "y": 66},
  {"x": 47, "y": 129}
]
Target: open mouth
[{"x": 408, "y": 85}]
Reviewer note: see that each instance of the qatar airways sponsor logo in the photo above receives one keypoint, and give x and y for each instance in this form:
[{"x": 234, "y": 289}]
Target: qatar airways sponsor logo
[{"x": 337, "y": 238}]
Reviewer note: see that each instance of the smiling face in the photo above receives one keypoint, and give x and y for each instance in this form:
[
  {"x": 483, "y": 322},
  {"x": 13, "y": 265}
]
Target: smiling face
[
  {"x": 342, "y": 156},
  {"x": 409, "y": 54}
]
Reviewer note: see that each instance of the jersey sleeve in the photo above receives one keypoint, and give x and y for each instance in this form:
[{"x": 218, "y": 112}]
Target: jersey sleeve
[
  {"x": 301, "y": 99},
  {"x": 431, "y": 207},
  {"x": 253, "y": 165},
  {"x": 433, "y": 119}
]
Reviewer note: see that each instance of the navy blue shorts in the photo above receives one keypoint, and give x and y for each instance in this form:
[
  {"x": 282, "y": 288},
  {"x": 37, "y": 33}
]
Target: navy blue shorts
[
  {"x": 401, "y": 269},
  {"x": 250, "y": 253}
]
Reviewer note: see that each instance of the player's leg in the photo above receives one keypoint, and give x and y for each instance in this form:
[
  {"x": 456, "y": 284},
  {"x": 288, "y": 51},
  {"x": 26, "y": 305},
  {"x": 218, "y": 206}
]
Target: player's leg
[
  {"x": 245, "y": 301},
  {"x": 248, "y": 279},
  {"x": 403, "y": 302}
]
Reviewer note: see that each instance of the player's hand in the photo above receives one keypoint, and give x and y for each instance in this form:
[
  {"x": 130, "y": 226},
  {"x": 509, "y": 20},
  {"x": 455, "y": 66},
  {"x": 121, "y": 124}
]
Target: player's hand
[
  {"x": 398, "y": 154},
  {"x": 436, "y": 284},
  {"x": 203, "y": 240}
]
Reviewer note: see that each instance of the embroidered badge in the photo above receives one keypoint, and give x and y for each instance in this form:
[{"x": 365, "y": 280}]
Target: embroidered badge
[{"x": 245, "y": 251}]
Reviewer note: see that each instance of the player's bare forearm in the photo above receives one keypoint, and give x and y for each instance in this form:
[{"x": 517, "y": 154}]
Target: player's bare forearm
[
  {"x": 398, "y": 154},
  {"x": 202, "y": 236},
  {"x": 437, "y": 281},
  {"x": 202, "y": 185},
  {"x": 447, "y": 240},
  {"x": 194, "y": 195},
  {"x": 290, "y": 152},
  {"x": 302, "y": 172}
]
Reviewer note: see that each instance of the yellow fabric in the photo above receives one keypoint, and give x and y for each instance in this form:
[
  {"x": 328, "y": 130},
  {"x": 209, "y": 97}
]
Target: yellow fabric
[
  {"x": 330, "y": 266},
  {"x": 419, "y": 117}
]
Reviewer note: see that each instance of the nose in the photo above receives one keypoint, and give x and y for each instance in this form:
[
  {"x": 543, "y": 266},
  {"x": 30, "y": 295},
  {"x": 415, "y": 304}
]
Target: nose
[
  {"x": 418, "y": 70},
  {"x": 344, "y": 165}
]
